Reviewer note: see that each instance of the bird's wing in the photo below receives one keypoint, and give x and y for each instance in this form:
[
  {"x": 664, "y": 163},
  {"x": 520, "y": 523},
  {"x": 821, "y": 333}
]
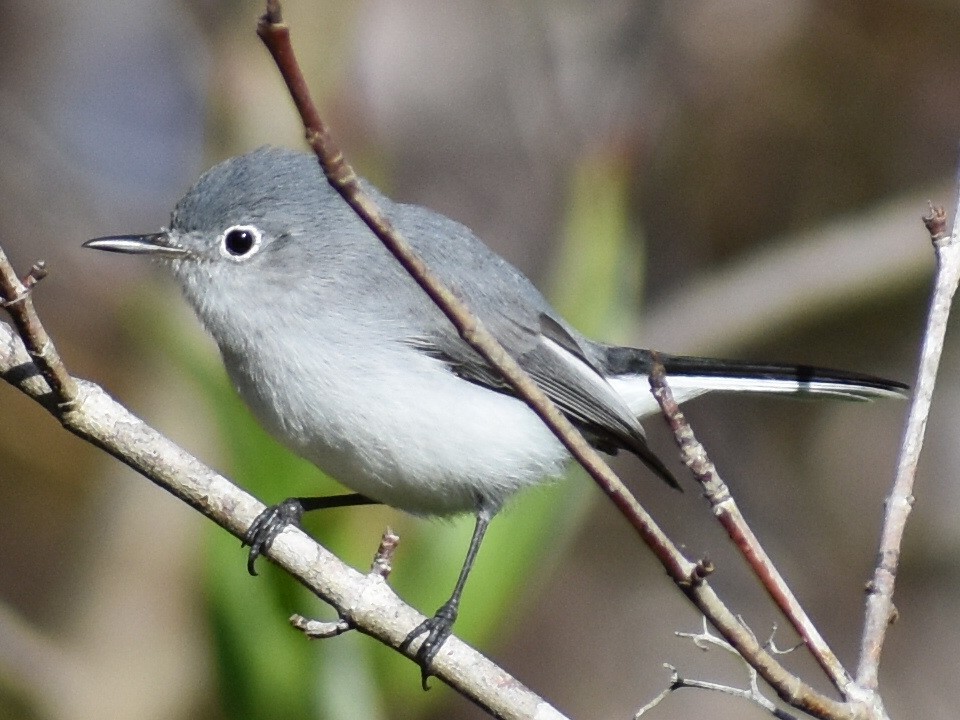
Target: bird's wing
[
  {"x": 521, "y": 319},
  {"x": 556, "y": 360}
]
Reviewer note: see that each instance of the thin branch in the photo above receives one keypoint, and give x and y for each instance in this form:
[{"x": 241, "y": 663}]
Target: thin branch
[
  {"x": 343, "y": 179},
  {"x": 727, "y": 511},
  {"x": 17, "y": 302},
  {"x": 879, "y": 604},
  {"x": 751, "y": 694},
  {"x": 661, "y": 696},
  {"x": 381, "y": 567},
  {"x": 704, "y": 640},
  {"x": 319, "y": 629},
  {"x": 383, "y": 561}
]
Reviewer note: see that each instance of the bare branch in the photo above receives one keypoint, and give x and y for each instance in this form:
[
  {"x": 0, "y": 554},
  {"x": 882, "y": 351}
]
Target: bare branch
[
  {"x": 880, "y": 611},
  {"x": 276, "y": 36},
  {"x": 662, "y": 696},
  {"x": 727, "y": 511},
  {"x": 318, "y": 629},
  {"x": 705, "y": 640},
  {"x": 15, "y": 296},
  {"x": 383, "y": 561},
  {"x": 381, "y": 567},
  {"x": 344, "y": 180}
]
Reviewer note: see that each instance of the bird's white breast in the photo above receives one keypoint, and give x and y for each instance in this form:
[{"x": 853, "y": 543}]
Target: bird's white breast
[{"x": 403, "y": 430}]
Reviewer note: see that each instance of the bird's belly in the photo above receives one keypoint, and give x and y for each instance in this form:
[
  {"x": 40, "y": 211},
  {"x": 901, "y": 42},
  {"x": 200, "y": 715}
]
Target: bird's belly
[{"x": 422, "y": 440}]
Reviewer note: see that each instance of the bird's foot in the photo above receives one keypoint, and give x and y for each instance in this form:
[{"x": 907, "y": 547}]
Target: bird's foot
[
  {"x": 437, "y": 629},
  {"x": 267, "y": 525}
]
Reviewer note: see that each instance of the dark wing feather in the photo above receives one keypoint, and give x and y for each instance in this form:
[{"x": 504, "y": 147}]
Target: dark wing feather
[{"x": 559, "y": 365}]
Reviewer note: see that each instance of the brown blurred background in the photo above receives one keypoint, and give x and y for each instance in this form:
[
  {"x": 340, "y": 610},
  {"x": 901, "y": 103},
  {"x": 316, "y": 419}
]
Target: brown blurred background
[{"x": 773, "y": 161}]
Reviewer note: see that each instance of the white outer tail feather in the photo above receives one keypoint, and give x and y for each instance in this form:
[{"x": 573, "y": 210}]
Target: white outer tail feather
[{"x": 635, "y": 389}]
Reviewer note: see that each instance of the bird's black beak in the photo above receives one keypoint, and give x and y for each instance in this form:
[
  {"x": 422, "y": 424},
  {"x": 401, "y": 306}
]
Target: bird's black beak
[{"x": 158, "y": 244}]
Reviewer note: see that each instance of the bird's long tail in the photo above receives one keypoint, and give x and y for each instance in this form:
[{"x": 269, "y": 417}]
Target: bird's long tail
[{"x": 688, "y": 377}]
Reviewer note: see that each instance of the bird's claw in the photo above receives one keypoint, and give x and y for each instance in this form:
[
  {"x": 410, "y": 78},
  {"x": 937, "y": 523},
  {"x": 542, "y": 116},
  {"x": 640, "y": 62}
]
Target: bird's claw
[
  {"x": 437, "y": 629},
  {"x": 267, "y": 525}
]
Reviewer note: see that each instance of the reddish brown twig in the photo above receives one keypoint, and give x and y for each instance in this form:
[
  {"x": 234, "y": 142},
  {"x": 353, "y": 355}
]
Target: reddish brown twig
[{"x": 725, "y": 508}]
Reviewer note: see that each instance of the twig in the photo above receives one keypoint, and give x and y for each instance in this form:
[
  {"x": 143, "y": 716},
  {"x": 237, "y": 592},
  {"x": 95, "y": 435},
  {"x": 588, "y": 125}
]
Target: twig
[
  {"x": 380, "y": 568},
  {"x": 318, "y": 629},
  {"x": 771, "y": 644},
  {"x": 342, "y": 177},
  {"x": 687, "y": 575},
  {"x": 660, "y": 697},
  {"x": 751, "y": 694},
  {"x": 879, "y": 604},
  {"x": 727, "y": 511},
  {"x": 276, "y": 37},
  {"x": 703, "y": 640},
  {"x": 15, "y": 298},
  {"x": 382, "y": 564}
]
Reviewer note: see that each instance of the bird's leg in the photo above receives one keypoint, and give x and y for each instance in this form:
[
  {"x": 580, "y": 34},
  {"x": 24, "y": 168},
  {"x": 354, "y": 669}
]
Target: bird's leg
[
  {"x": 438, "y": 627},
  {"x": 271, "y": 522}
]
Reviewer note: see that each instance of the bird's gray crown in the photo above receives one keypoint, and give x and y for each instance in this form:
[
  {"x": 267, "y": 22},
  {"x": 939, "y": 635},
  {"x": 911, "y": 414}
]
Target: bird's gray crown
[{"x": 268, "y": 182}]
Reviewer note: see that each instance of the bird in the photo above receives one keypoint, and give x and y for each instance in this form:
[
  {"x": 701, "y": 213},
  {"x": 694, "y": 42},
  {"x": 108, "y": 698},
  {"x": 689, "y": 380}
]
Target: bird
[{"x": 345, "y": 360}]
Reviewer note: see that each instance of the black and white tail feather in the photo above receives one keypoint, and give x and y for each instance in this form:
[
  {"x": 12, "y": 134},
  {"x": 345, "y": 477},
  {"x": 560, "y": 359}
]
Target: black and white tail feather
[{"x": 627, "y": 370}]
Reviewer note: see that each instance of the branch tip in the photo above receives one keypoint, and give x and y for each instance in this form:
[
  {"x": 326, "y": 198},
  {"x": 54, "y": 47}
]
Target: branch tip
[
  {"x": 936, "y": 222},
  {"x": 37, "y": 273},
  {"x": 320, "y": 629},
  {"x": 272, "y": 15},
  {"x": 702, "y": 569},
  {"x": 383, "y": 561}
]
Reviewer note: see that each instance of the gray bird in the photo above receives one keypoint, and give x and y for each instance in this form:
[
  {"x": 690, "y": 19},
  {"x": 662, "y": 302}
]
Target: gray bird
[{"x": 346, "y": 361}]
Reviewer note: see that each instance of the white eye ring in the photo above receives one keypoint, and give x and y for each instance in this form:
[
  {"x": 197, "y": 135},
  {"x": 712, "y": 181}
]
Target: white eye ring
[{"x": 240, "y": 242}]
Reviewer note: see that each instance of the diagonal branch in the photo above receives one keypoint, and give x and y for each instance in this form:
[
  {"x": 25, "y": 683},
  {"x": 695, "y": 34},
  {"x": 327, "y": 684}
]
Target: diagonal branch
[{"x": 717, "y": 493}]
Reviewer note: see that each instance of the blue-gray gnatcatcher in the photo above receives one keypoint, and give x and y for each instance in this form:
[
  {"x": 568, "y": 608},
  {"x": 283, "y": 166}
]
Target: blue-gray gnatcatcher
[{"x": 346, "y": 360}]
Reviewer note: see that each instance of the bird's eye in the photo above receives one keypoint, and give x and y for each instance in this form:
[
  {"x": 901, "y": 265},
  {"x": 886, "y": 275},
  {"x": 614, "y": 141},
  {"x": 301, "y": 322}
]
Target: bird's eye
[{"x": 240, "y": 242}]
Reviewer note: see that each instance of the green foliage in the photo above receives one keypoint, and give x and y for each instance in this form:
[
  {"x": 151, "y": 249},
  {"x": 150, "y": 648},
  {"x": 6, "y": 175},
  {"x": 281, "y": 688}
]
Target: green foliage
[{"x": 599, "y": 269}]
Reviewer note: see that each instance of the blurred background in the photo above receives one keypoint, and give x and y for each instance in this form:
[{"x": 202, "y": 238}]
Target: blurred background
[{"x": 736, "y": 178}]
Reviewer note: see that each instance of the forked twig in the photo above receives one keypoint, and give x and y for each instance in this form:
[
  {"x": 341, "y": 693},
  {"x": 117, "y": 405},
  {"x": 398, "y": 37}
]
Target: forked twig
[
  {"x": 725, "y": 508},
  {"x": 15, "y": 298},
  {"x": 704, "y": 640}
]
